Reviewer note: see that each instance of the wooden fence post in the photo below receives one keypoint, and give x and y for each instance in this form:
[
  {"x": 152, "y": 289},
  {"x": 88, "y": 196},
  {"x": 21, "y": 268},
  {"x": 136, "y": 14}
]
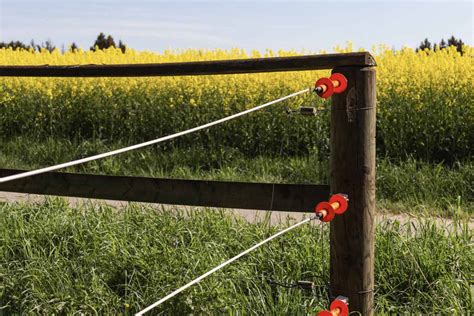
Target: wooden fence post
[{"x": 353, "y": 118}]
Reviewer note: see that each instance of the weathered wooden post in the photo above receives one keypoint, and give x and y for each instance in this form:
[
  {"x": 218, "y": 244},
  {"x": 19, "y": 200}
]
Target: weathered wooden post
[{"x": 353, "y": 120}]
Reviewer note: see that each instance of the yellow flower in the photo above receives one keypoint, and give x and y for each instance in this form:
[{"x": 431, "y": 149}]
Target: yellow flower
[{"x": 413, "y": 74}]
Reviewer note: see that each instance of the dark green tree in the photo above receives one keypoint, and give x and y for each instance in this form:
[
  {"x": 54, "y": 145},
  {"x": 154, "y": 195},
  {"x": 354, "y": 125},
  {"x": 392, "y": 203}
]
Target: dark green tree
[
  {"x": 109, "y": 42},
  {"x": 122, "y": 46},
  {"x": 458, "y": 43},
  {"x": 442, "y": 44},
  {"x": 48, "y": 45},
  {"x": 15, "y": 45},
  {"x": 423, "y": 45},
  {"x": 103, "y": 42},
  {"x": 100, "y": 42},
  {"x": 452, "y": 41},
  {"x": 73, "y": 47}
]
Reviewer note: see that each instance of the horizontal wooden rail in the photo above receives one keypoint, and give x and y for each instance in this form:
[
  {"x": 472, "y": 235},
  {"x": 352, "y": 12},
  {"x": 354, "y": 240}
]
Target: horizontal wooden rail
[
  {"x": 258, "y": 196},
  {"x": 272, "y": 64}
]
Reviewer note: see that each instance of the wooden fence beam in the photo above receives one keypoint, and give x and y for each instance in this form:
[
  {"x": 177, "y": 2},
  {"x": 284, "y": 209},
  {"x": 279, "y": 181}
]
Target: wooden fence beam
[
  {"x": 353, "y": 119},
  {"x": 256, "y": 196},
  {"x": 219, "y": 67}
]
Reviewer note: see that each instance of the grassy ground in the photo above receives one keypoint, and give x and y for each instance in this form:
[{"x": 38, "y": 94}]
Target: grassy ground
[
  {"x": 55, "y": 259},
  {"x": 407, "y": 185}
]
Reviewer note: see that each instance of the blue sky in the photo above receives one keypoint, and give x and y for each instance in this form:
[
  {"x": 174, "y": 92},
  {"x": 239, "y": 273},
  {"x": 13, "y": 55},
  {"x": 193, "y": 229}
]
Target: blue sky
[{"x": 310, "y": 25}]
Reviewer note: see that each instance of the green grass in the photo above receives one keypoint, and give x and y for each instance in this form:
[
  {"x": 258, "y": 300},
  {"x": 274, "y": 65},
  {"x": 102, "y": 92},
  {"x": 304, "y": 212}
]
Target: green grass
[
  {"x": 57, "y": 259},
  {"x": 408, "y": 185}
]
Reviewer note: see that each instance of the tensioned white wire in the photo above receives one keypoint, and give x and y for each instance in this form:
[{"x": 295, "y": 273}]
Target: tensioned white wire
[
  {"x": 148, "y": 143},
  {"x": 167, "y": 297}
]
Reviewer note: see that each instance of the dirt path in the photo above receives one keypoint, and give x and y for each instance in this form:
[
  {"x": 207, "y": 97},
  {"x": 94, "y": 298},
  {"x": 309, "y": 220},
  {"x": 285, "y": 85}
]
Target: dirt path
[{"x": 250, "y": 215}]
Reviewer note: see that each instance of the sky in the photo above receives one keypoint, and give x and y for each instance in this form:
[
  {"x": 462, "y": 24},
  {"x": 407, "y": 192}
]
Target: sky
[{"x": 303, "y": 26}]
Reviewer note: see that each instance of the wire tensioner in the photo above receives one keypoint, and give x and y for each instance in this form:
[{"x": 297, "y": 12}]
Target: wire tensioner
[
  {"x": 338, "y": 307},
  {"x": 326, "y": 211},
  {"x": 326, "y": 87}
]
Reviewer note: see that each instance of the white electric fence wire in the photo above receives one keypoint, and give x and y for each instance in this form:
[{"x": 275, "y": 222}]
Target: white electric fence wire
[
  {"x": 167, "y": 297},
  {"x": 148, "y": 143}
]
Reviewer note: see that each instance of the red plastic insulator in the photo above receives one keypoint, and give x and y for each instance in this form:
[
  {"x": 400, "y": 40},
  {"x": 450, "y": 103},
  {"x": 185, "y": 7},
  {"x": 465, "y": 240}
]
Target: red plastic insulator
[
  {"x": 342, "y": 200},
  {"x": 341, "y": 82},
  {"x": 327, "y": 85},
  {"x": 338, "y": 204},
  {"x": 326, "y": 210},
  {"x": 342, "y": 306},
  {"x": 337, "y": 308}
]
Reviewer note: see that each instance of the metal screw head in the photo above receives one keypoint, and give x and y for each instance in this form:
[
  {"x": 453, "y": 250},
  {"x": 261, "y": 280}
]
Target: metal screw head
[{"x": 343, "y": 299}]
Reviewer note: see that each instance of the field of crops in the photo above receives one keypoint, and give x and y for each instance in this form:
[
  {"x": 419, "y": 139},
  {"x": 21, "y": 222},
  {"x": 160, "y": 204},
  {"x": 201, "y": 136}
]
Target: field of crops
[
  {"x": 425, "y": 104},
  {"x": 425, "y": 121},
  {"x": 57, "y": 259}
]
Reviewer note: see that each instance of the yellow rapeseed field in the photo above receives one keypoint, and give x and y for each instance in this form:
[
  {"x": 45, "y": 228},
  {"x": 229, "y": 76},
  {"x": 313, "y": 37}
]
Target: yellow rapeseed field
[
  {"x": 405, "y": 71},
  {"x": 408, "y": 82}
]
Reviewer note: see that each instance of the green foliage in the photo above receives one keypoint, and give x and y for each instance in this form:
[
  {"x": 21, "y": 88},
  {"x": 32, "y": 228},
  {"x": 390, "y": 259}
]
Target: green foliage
[
  {"x": 426, "y": 44},
  {"x": 138, "y": 116},
  {"x": 32, "y": 46},
  {"x": 103, "y": 42},
  {"x": 56, "y": 259},
  {"x": 452, "y": 41},
  {"x": 419, "y": 184},
  {"x": 427, "y": 127},
  {"x": 426, "y": 187}
]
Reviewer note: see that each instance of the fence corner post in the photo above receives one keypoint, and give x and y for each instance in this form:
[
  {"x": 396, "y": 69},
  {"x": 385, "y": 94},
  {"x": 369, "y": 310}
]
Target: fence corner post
[{"x": 353, "y": 119}]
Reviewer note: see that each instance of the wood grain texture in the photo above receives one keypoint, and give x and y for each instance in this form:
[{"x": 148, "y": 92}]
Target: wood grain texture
[
  {"x": 353, "y": 119},
  {"x": 255, "y": 196},
  {"x": 254, "y": 65}
]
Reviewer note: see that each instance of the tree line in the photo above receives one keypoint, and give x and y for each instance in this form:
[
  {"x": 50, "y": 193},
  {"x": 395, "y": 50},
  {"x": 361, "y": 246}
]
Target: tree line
[
  {"x": 102, "y": 42},
  {"x": 452, "y": 41}
]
